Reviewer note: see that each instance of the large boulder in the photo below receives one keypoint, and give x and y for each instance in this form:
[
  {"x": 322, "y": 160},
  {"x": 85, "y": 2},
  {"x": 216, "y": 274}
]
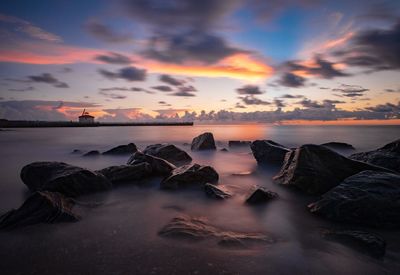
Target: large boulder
[
  {"x": 168, "y": 152},
  {"x": 316, "y": 169},
  {"x": 388, "y": 156},
  {"x": 159, "y": 167},
  {"x": 204, "y": 141},
  {"x": 122, "y": 150},
  {"x": 125, "y": 173},
  {"x": 367, "y": 198},
  {"x": 338, "y": 146},
  {"x": 238, "y": 143},
  {"x": 66, "y": 179},
  {"x": 190, "y": 175},
  {"x": 40, "y": 207},
  {"x": 268, "y": 151},
  {"x": 261, "y": 195},
  {"x": 215, "y": 192}
]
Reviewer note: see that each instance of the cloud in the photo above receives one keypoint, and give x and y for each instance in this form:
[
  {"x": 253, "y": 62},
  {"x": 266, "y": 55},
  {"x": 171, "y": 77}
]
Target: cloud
[
  {"x": 392, "y": 90},
  {"x": 162, "y": 88},
  {"x": 249, "y": 90},
  {"x": 307, "y": 103},
  {"x": 350, "y": 90},
  {"x": 170, "y": 112},
  {"x": 105, "y": 33},
  {"x": 112, "y": 95},
  {"x": 279, "y": 103},
  {"x": 171, "y": 80},
  {"x": 252, "y": 100},
  {"x": 30, "y": 88},
  {"x": 128, "y": 73},
  {"x": 164, "y": 103},
  {"x": 124, "y": 114},
  {"x": 289, "y": 96},
  {"x": 49, "y": 79},
  {"x": 292, "y": 80},
  {"x": 114, "y": 58},
  {"x": 386, "y": 108}
]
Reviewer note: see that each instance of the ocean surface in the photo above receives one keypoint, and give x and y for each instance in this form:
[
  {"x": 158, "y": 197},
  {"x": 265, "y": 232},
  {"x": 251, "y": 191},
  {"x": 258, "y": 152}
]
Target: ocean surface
[{"x": 120, "y": 234}]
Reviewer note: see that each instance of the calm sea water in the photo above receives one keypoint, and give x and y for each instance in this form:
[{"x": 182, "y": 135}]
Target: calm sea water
[{"x": 120, "y": 235}]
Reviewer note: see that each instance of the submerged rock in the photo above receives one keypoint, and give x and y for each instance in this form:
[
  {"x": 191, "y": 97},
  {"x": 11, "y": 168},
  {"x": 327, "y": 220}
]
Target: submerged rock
[
  {"x": 196, "y": 229},
  {"x": 388, "y": 156},
  {"x": 125, "y": 173},
  {"x": 363, "y": 241},
  {"x": 338, "y": 145},
  {"x": 168, "y": 152},
  {"x": 224, "y": 150},
  {"x": 60, "y": 177},
  {"x": 40, "y": 207},
  {"x": 93, "y": 153},
  {"x": 76, "y": 152},
  {"x": 204, "y": 141},
  {"x": 122, "y": 150},
  {"x": 159, "y": 167},
  {"x": 215, "y": 192},
  {"x": 261, "y": 195},
  {"x": 316, "y": 169},
  {"x": 238, "y": 143},
  {"x": 190, "y": 175},
  {"x": 268, "y": 151},
  {"x": 367, "y": 198}
]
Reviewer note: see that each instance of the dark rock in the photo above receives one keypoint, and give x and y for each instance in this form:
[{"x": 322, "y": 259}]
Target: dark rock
[
  {"x": 40, "y": 207},
  {"x": 159, "y": 167},
  {"x": 64, "y": 178},
  {"x": 261, "y": 195},
  {"x": 93, "y": 153},
  {"x": 388, "y": 156},
  {"x": 122, "y": 150},
  {"x": 362, "y": 241},
  {"x": 338, "y": 146},
  {"x": 203, "y": 142},
  {"x": 215, "y": 192},
  {"x": 238, "y": 143},
  {"x": 190, "y": 175},
  {"x": 124, "y": 173},
  {"x": 316, "y": 169},
  {"x": 224, "y": 150},
  {"x": 168, "y": 152},
  {"x": 268, "y": 151},
  {"x": 367, "y": 198},
  {"x": 76, "y": 152}
]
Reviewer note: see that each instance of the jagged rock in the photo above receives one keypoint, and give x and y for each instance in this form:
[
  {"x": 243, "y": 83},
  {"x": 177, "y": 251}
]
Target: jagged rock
[
  {"x": 204, "y": 141},
  {"x": 159, "y": 167},
  {"x": 122, "y": 150},
  {"x": 124, "y": 173},
  {"x": 190, "y": 175},
  {"x": 168, "y": 152},
  {"x": 238, "y": 143},
  {"x": 316, "y": 169},
  {"x": 367, "y": 198},
  {"x": 215, "y": 192},
  {"x": 363, "y": 241},
  {"x": 388, "y": 156},
  {"x": 60, "y": 177},
  {"x": 93, "y": 153},
  {"x": 268, "y": 151},
  {"x": 40, "y": 207},
  {"x": 338, "y": 145},
  {"x": 261, "y": 195},
  {"x": 196, "y": 229}
]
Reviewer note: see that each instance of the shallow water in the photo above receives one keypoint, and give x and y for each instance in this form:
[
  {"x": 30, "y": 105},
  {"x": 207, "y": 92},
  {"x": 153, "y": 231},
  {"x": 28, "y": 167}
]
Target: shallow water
[{"x": 119, "y": 236}]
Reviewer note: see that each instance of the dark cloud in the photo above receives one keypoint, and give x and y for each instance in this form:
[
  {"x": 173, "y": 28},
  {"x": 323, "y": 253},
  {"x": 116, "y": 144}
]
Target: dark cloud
[
  {"x": 249, "y": 90},
  {"x": 30, "y": 88},
  {"x": 292, "y": 80},
  {"x": 307, "y": 103},
  {"x": 279, "y": 103},
  {"x": 289, "y": 96},
  {"x": 163, "y": 103},
  {"x": 171, "y": 80},
  {"x": 49, "y": 79},
  {"x": 162, "y": 88},
  {"x": 386, "y": 108},
  {"x": 252, "y": 100},
  {"x": 114, "y": 58},
  {"x": 392, "y": 90},
  {"x": 105, "y": 33},
  {"x": 127, "y": 73},
  {"x": 185, "y": 91},
  {"x": 350, "y": 90},
  {"x": 240, "y": 106},
  {"x": 323, "y": 88},
  {"x": 183, "y": 94},
  {"x": 112, "y": 95}
]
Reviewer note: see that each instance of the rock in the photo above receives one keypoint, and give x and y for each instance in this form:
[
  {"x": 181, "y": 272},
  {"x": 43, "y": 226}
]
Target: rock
[
  {"x": 195, "y": 229},
  {"x": 368, "y": 198},
  {"x": 203, "y": 142},
  {"x": 159, "y": 167},
  {"x": 213, "y": 191},
  {"x": 122, "y": 150},
  {"x": 124, "y": 173},
  {"x": 388, "y": 156},
  {"x": 316, "y": 169},
  {"x": 60, "y": 177},
  {"x": 338, "y": 145},
  {"x": 268, "y": 151},
  {"x": 40, "y": 207},
  {"x": 93, "y": 153},
  {"x": 238, "y": 143},
  {"x": 190, "y": 175},
  {"x": 224, "y": 150},
  {"x": 261, "y": 195},
  {"x": 76, "y": 152},
  {"x": 363, "y": 241},
  {"x": 168, "y": 152}
]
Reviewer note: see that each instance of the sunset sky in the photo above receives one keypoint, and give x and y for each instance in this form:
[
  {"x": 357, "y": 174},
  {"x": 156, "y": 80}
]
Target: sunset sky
[{"x": 212, "y": 61}]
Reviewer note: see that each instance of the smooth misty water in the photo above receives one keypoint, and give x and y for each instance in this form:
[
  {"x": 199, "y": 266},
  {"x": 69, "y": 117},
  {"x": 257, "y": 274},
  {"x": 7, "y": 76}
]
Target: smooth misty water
[{"x": 119, "y": 236}]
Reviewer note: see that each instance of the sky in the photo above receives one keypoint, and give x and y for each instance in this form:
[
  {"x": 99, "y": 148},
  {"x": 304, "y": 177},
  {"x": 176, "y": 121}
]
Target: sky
[{"x": 286, "y": 62}]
